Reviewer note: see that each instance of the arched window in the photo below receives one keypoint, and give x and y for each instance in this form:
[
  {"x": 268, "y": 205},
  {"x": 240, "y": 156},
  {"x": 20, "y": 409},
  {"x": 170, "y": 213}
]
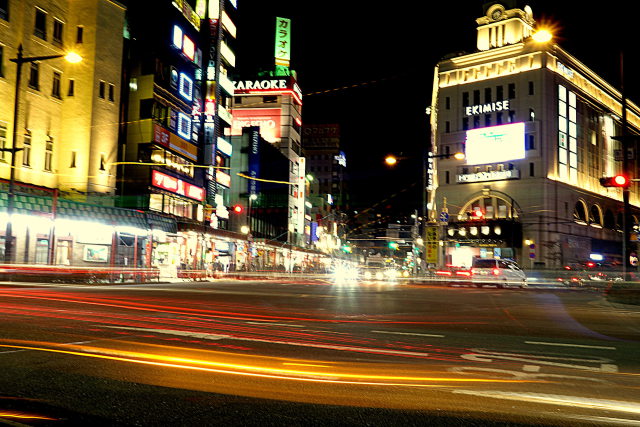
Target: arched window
[
  {"x": 580, "y": 212},
  {"x": 609, "y": 220},
  {"x": 595, "y": 216}
]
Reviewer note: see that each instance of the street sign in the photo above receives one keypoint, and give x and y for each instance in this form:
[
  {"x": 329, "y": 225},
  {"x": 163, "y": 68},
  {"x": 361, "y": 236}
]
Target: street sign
[{"x": 444, "y": 216}]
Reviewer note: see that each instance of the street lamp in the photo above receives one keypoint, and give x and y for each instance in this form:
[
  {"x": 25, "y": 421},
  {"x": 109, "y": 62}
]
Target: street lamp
[{"x": 71, "y": 57}]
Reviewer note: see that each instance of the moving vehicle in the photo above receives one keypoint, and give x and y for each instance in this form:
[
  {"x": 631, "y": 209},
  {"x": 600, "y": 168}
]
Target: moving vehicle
[{"x": 499, "y": 272}]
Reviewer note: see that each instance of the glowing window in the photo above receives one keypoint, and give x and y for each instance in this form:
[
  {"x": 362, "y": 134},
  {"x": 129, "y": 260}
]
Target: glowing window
[
  {"x": 177, "y": 36},
  {"x": 184, "y": 126},
  {"x": 186, "y": 87},
  {"x": 189, "y": 48}
]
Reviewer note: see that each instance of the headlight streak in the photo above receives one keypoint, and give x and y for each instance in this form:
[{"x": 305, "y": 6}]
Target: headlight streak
[{"x": 255, "y": 371}]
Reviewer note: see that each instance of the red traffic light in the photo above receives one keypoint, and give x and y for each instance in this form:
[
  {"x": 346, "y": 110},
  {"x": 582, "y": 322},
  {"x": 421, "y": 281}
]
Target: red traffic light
[
  {"x": 476, "y": 214},
  {"x": 237, "y": 209},
  {"x": 615, "y": 181}
]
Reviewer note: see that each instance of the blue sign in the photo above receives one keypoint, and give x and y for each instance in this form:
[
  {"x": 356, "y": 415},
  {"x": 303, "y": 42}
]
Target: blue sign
[{"x": 444, "y": 217}]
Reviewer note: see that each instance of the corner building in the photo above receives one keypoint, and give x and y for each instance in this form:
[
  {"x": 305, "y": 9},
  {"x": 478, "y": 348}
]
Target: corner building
[{"x": 537, "y": 128}]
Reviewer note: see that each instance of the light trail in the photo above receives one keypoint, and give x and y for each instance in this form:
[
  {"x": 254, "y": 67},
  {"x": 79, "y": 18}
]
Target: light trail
[{"x": 246, "y": 369}]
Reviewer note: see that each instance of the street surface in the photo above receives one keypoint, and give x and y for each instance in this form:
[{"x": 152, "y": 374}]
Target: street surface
[{"x": 315, "y": 353}]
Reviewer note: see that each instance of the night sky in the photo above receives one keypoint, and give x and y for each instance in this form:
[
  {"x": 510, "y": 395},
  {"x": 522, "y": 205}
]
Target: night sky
[{"x": 370, "y": 69}]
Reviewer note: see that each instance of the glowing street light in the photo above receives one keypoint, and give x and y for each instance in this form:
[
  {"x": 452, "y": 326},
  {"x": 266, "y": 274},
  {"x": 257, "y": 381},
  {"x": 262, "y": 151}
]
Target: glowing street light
[
  {"x": 542, "y": 36},
  {"x": 391, "y": 160}
]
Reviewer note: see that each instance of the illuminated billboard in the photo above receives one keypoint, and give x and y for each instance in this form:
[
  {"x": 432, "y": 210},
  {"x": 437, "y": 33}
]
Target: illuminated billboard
[
  {"x": 495, "y": 144},
  {"x": 268, "y": 119}
]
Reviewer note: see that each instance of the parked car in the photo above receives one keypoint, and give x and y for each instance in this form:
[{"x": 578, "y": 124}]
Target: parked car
[{"x": 499, "y": 272}]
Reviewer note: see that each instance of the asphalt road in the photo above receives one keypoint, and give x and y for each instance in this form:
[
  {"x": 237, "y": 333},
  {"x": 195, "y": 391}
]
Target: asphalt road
[{"x": 315, "y": 353}]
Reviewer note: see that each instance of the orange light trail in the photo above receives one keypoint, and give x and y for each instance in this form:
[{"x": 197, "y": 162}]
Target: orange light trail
[
  {"x": 20, "y": 415},
  {"x": 252, "y": 370}
]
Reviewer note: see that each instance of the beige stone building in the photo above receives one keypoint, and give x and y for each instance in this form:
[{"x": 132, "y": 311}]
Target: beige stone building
[
  {"x": 68, "y": 117},
  {"x": 539, "y": 129}
]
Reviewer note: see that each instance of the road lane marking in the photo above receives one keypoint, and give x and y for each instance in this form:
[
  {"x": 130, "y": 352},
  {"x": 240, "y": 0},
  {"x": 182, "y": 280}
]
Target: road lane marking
[
  {"x": 408, "y": 333},
  {"x": 275, "y": 341},
  {"x": 597, "y": 347},
  {"x": 480, "y": 355}
]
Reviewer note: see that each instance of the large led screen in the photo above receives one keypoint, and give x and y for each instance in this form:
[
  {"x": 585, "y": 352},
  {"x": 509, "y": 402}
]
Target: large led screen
[
  {"x": 495, "y": 144},
  {"x": 268, "y": 119}
]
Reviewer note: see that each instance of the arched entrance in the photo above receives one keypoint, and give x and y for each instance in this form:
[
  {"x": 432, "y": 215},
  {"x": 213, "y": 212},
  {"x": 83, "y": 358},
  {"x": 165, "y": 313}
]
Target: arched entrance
[{"x": 486, "y": 226}]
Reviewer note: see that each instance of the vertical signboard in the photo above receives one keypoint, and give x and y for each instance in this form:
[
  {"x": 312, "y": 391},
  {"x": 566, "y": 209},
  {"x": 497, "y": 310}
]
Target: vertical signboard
[
  {"x": 431, "y": 245},
  {"x": 283, "y": 42},
  {"x": 254, "y": 160}
]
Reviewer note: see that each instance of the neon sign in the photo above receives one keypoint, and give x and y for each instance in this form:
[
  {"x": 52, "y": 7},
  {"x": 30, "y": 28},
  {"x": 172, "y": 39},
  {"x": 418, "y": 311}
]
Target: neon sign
[{"x": 176, "y": 186}]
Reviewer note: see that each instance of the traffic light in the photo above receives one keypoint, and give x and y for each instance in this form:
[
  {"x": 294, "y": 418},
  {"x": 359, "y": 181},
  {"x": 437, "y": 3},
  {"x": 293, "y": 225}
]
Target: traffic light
[
  {"x": 616, "y": 181},
  {"x": 393, "y": 245},
  {"x": 476, "y": 213},
  {"x": 237, "y": 209}
]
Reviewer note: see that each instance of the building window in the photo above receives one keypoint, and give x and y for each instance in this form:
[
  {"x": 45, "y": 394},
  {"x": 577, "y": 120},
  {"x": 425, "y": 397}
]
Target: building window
[
  {"x": 146, "y": 108},
  {"x": 465, "y": 123},
  {"x": 79, "y": 34},
  {"x": 531, "y": 88},
  {"x": 270, "y": 99},
  {"x": 55, "y": 87},
  {"x": 499, "y": 93},
  {"x": 112, "y": 90},
  {"x": 72, "y": 164},
  {"x": 447, "y": 103},
  {"x": 512, "y": 90},
  {"x": 3, "y": 141},
  {"x": 4, "y": 9},
  {"x": 532, "y": 114},
  {"x": 26, "y": 149},
  {"x": 465, "y": 99},
  {"x": 487, "y": 95},
  {"x": 512, "y": 116},
  {"x": 446, "y": 177},
  {"x": 531, "y": 142},
  {"x": 40, "y": 27},
  {"x": 48, "y": 154},
  {"x": 57, "y": 32},
  {"x": 447, "y": 126},
  {"x": 499, "y": 118},
  {"x": 34, "y": 76},
  {"x": 476, "y": 97},
  {"x": 487, "y": 120},
  {"x": 476, "y": 122},
  {"x": 532, "y": 169},
  {"x": 103, "y": 163},
  {"x": 101, "y": 89},
  {"x": 72, "y": 88}
]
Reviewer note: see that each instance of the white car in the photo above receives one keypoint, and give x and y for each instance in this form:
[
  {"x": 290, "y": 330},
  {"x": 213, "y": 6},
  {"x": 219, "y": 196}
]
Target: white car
[{"x": 499, "y": 272}]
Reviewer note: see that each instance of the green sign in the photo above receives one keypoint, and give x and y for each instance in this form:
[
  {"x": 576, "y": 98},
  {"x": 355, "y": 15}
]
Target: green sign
[{"x": 283, "y": 42}]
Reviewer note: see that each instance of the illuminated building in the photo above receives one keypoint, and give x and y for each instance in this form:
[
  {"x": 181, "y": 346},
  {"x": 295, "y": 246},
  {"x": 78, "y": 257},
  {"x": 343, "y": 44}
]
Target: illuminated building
[
  {"x": 274, "y": 103},
  {"x": 67, "y": 128},
  {"x": 176, "y": 110},
  {"x": 538, "y": 129}
]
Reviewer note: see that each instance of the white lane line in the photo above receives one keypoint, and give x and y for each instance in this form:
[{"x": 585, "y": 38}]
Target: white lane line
[
  {"x": 558, "y": 344},
  {"x": 408, "y": 333},
  {"x": 269, "y": 341}
]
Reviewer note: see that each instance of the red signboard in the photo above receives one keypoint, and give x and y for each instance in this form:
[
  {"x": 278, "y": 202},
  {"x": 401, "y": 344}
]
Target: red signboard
[{"x": 177, "y": 186}]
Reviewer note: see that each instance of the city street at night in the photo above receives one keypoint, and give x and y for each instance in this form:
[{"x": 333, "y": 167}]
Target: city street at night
[{"x": 315, "y": 352}]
